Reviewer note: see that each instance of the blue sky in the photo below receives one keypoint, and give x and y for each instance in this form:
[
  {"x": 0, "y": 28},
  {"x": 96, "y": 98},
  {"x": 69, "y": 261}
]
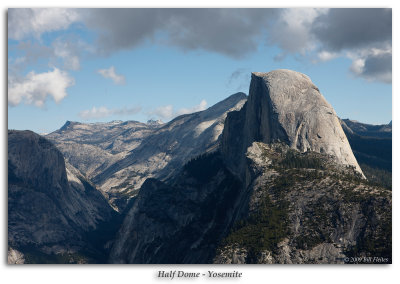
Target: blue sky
[{"x": 95, "y": 65}]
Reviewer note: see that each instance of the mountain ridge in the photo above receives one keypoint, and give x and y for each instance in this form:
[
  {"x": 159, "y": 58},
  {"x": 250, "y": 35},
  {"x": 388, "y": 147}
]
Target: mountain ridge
[
  {"x": 254, "y": 138},
  {"x": 268, "y": 178},
  {"x": 139, "y": 151}
]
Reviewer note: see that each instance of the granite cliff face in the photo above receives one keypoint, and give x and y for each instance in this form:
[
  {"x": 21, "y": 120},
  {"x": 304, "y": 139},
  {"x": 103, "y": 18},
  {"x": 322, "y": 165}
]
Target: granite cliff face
[
  {"x": 51, "y": 207},
  {"x": 277, "y": 189},
  {"x": 285, "y": 106}
]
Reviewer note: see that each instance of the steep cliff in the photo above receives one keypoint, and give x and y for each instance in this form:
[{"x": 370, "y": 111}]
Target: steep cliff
[
  {"x": 296, "y": 208},
  {"x": 285, "y": 106},
  {"x": 51, "y": 208},
  {"x": 180, "y": 221},
  {"x": 283, "y": 186}
]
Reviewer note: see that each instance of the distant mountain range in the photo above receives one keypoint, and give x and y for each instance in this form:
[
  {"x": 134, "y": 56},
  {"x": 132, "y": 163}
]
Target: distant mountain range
[
  {"x": 372, "y": 146},
  {"x": 119, "y": 156},
  {"x": 357, "y": 128},
  {"x": 268, "y": 178}
]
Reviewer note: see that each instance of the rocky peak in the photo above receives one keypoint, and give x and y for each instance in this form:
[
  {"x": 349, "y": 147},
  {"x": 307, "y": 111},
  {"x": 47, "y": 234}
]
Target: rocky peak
[
  {"x": 285, "y": 106},
  {"x": 154, "y": 122},
  {"x": 68, "y": 125}
]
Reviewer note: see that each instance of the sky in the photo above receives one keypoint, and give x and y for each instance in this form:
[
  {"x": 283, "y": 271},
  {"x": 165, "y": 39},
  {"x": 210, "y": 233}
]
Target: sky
[{"x": 99, "y": 65}]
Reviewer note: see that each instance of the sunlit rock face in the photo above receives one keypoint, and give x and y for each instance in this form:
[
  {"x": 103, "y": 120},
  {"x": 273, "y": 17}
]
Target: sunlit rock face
[{"x": 285, "y": 106}]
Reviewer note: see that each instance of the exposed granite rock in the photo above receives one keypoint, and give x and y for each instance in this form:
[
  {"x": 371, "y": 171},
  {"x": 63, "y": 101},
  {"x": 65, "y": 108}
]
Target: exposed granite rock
[
  {"x": 314, "y": 210},
  {"x": 87, "y": 146},
  {"x": 273, "y": 188},
  {"x": 330, "y": 213},
  {"x": 118, "y": 157},
  {"x": 233, "y": 254},
  {"x": 285, "y": 106},
  {"x": 14, "y": 256},
  {"x": 298, "y": 201},
  {"x": 49, "y": 208}
]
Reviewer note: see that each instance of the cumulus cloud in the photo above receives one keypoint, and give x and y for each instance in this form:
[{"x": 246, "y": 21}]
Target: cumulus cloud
[
  {"x": 102, "y": 112},
  {"x": 36, "y": 88},
  {"x": 167, "y": 112},
  {"x": 326, "y": 55},
  {"x": 110, "y": 74},
  {"x": 233, "y": 32},
  {"x": 321, "y": 34},
  {"x": 374, "y": 67},
  {"x": 291, "y": 31},
  {"x": 318, "y": 34},
  {"x": 340, "y": 29},
  {"x": 34, "y": 22},
  {"x": 365, "y": 35}
]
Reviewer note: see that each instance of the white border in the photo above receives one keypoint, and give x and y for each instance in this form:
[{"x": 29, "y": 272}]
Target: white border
[{"x": 146, "y": 273}]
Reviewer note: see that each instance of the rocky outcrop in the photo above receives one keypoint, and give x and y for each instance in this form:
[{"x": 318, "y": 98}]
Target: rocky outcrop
[
  {"x": 87, "y": 146},
  {"x": 50, "y": 208},
  {"x": 296, "y": 208},
  {"x": 306, "y": 208},
  {"x": 15, "y": 257},
  {"x": 285, "y": 106},
  {"x": 294, "y": 198}
]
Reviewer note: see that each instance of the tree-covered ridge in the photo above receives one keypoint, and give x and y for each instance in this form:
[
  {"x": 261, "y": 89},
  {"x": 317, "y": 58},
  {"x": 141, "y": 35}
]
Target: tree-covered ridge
[
  {"x": 262, "y": 230},
  {"x": 325, "y": 193}
]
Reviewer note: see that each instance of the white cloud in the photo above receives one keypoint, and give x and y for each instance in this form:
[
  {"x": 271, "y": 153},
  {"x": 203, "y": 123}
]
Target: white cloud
[
  {"x": 357, "y": 66},
  {"x": 373, "y": 64},
  {"x": 324, "y": 34},
  {"x": 101, "y": 112},
  {"x": 292, "y": 30},
  {"x": 110, "y": 73},
  {"x": 167, "y": 112},
  {"x": 326, "y": 55},
  {"x": 27, "y": 22},
  {"x": 35, "y": 88}
]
